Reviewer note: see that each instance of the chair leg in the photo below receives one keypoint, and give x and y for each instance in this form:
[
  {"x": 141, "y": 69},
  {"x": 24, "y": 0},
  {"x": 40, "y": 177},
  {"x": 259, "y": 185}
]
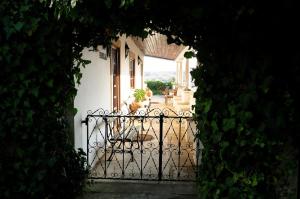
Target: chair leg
[
  {"x": 112, "y": 152},
  {"x": 131, "y": 159},
  {"x": 111, "y": 155},
  {"x": 131, "y": 152}
]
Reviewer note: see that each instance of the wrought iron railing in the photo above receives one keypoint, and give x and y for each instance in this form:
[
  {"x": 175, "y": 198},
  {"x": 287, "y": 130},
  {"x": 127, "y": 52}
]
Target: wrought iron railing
[{"x": 151, "y": 145}]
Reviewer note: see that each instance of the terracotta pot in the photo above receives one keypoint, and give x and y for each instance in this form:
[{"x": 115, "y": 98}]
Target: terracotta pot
[
  {"x": 149, "y": 93},
  {"x": 134, "y": 106}
]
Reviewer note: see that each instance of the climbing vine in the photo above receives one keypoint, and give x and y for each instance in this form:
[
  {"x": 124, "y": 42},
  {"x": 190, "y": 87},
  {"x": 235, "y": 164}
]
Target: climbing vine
[
  {"x": 36, "y": 89},
  {"x": 247, "y": 110},
  {"x": 247, "y": 102}
]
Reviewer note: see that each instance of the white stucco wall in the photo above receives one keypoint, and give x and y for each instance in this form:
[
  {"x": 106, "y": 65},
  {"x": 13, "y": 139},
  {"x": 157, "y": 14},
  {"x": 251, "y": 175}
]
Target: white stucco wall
[
  {"x": 124, "y": 62},
  {"x": 138, "y": 79},
  {"x": 95, "y": 90},
  {"x": 124, "y": 71},
  {"x": 138, "y": 53}
]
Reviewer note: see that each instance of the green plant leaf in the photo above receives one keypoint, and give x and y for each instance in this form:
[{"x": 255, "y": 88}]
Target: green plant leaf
[
  {"x": 228, "y": 124},
  {"x": 19, "y": 25},
  {"x": 189, "y": 54}
]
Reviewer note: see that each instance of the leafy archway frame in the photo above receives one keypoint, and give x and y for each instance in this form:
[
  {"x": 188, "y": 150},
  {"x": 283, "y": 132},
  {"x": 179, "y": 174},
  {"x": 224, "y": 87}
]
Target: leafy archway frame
[{"x": 245, "y": 107}]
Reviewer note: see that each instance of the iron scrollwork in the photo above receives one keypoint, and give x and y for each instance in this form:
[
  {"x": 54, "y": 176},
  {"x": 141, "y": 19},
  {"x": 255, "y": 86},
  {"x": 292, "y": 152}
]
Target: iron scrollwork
[{"x": 155, "y": 145}]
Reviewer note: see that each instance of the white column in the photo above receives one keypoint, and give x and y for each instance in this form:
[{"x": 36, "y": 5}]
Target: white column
[
  {"x": 180, "y": 73},
  {"x": 177, "y": 73},
  {"x": 187, "y": 74}
]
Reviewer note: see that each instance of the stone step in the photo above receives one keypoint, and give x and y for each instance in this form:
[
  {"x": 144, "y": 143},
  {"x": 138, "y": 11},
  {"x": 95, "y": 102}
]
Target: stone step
[{"x": 110, "y": 189}]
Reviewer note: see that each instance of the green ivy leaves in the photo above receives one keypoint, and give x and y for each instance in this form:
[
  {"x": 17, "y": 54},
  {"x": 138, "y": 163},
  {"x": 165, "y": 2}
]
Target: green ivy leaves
[
  {"x": 189, "y": 54},
  {"x": 246, "y": 98},
  {"x": 35, "y": 86},
  {"x": 228, "y": 124},
  {"x": 18, "y": 26}
]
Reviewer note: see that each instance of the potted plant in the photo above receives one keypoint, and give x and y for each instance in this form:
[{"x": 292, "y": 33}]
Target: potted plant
[{"x": 139, "y": 96}]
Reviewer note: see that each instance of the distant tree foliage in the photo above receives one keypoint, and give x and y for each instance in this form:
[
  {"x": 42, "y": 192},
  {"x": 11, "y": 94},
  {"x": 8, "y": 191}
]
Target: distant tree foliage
[
  {"x": 247, "y": 104},
  {"x": 158, "y": 87}
]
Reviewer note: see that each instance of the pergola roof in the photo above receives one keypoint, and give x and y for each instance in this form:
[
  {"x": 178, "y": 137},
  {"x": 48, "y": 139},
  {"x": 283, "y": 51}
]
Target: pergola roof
[{"x": 156, "y": 46}]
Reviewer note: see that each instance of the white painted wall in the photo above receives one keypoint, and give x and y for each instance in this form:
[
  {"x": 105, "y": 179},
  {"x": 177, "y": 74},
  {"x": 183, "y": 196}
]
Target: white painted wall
[
  {"x": 125, "y": 76},
  {"x": 124, "y": 72},
  {"x": 138, "y": 79},
  {"x": 137, "y": 52},
  {"x": 95, "y": 90}
]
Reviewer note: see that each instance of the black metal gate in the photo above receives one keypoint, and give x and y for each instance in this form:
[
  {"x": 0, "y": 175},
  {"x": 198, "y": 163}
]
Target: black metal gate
[{"x": 153, "y": 145}]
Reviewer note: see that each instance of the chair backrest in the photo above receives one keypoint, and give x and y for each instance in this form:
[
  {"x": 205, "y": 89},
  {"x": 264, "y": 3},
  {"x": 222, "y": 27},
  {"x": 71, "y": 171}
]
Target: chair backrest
[
  {"x": 123, "y": 128},
  {"x": 125, "y": 108}
]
